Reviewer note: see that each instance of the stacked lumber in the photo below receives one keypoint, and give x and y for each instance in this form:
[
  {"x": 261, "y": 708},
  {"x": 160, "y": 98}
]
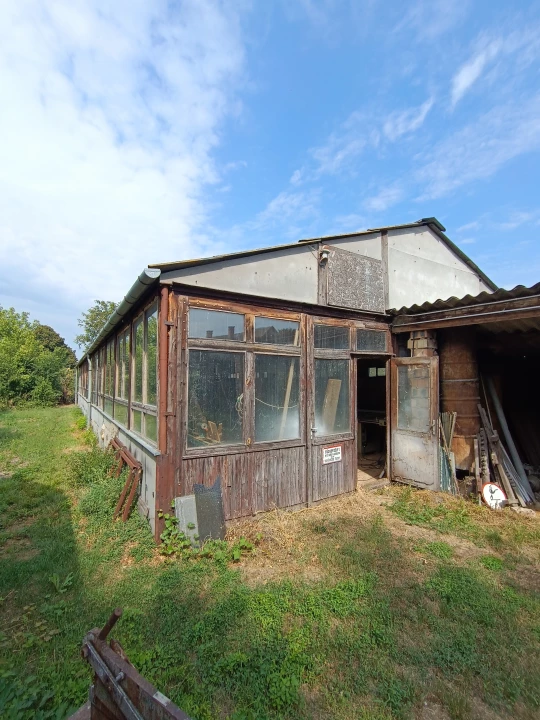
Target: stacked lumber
[{"x": 493, "y": 464}]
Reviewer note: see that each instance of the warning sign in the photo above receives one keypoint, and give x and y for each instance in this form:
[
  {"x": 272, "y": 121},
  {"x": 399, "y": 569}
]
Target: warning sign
[{"x": 331, "y": 454}]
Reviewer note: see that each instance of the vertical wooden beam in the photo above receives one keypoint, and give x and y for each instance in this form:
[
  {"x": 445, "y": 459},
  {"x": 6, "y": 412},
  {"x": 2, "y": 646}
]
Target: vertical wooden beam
[{"x": 163, "y": 358}]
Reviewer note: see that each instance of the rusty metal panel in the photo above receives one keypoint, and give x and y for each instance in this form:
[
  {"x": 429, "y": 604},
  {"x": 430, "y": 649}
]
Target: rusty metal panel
[{"x": 355, "y": 281}]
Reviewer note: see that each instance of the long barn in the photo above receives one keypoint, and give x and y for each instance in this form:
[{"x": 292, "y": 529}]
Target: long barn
[{"x": 276, "y": 369}]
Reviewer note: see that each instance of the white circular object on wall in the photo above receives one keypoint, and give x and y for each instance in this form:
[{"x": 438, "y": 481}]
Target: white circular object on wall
[{"x": 493, "y": 496}]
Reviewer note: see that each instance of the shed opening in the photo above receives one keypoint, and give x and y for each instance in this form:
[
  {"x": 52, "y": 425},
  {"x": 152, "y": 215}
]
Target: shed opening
[{"x": 371, "y": 417}]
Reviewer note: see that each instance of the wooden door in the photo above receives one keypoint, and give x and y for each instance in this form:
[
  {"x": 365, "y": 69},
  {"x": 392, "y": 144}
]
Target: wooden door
[
  {"x": 414, "y": 393},
  {"x": 331, "y": 442}
]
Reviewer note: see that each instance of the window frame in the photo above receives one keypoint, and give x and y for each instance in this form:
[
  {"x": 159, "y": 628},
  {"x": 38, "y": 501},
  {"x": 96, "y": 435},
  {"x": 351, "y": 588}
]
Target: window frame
[
  {"x": 331, "y": 354},
  {"x": 123, "y": 336},
  {"x": 136, "y": 405},
  {"x": 249, "y": 348}
]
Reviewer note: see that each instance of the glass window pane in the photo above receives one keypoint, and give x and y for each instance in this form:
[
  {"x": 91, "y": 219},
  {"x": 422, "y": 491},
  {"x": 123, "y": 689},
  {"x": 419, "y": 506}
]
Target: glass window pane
[
  {"x": 151, "y": 355},
  {"x": 216, "y": 395},
  {"x": 332, "y": 410},
  {"x": 331, "y": 338},
  {"x": 371, "y": 340},
  {"x": 120, "y": 413},
  {"x": 278, "y": 332},
  {"x": 216, "y": 325},
  {"x": 277, "y": 411},
  {"x": 137, "y": 420},
  {"x": 150, "y": 427},
  {"x": 413, "y": 398},
  {"x": 108, "y": 406},
  {"x": 138, "y": 338}
]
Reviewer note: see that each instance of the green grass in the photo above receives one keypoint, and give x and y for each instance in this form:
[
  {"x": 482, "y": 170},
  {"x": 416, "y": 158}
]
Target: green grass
[{"x": 375, "y": 637}]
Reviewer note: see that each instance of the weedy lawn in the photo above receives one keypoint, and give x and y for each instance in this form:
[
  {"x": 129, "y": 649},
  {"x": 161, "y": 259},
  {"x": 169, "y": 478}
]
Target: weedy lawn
[{"x": 398, "y": 605}]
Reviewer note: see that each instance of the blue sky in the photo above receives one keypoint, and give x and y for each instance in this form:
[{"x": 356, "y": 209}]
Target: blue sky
[{"x": 138, "y": 132}]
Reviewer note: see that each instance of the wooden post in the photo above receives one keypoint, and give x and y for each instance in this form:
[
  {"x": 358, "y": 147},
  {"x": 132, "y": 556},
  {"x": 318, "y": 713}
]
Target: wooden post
[{"x": 287, "y": 392}]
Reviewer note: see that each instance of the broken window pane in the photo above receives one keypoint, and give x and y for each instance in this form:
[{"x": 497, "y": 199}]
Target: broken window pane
[
  {"x": 216, "y": 398},
  {"x": 332, "y": 412},
  {"x": 277, "y": 411},
  {"x": 215, "y": 325},
  {"x": 331, "y": 337},
  {"x": 151, "y": 355},
  {"x": 371, "y": 340},
  {"x": 413, "y": 398},
  {"x": 278, "y": 332}
]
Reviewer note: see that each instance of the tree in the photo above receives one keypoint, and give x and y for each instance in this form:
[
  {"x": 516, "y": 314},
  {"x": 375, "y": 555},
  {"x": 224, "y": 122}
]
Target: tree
[
  {"x": 51, "y": 340},
  {"x": 30, "y": 371},
  {"x": 93, "y": 320}
]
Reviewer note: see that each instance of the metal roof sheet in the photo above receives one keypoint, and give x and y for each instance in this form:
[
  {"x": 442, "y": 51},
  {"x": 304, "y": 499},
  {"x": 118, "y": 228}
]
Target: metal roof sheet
[{"x": 500, "y": 295}]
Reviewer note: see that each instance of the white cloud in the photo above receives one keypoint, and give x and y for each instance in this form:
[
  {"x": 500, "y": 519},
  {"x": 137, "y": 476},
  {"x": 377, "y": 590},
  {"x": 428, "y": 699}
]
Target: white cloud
[
  {"x": 385, "y": 198},
  {"x": 467, "y": 241},
  {"x": 110, "y": 117},
  {"x": 344, "y": 145},
  {"x": 470, "y": 71},
  {"x": 480, "y": 149},
  {"x": 296, "y": 177},
  {"x": 430, "y": 19},
  {"x": 406, "y": 121},
  {"x": 517, "y": 219},
  {"x": 468, "y": 226}
]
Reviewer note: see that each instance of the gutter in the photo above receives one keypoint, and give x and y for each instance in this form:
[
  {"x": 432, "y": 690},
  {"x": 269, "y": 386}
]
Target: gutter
[{"x": 147, "y": 278}]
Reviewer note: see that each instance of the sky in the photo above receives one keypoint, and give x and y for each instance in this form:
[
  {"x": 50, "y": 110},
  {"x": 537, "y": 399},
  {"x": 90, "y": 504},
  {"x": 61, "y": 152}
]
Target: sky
[{"x": 150, "y": 131}]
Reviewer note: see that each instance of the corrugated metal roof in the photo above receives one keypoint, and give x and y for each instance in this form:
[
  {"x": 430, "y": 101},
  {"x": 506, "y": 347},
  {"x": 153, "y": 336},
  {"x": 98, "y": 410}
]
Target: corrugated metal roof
[{"x": 500, "y": 295}]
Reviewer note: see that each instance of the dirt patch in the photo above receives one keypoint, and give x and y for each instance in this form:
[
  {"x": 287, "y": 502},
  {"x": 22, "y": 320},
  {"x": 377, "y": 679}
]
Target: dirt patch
[
  {"x": 18, "y": 528},
  {"x": 18, "y": 548},
  {"x": 433, "y": 711},
  {"x": 289, "y": 539},
  {"x": 5, "y": 475}
]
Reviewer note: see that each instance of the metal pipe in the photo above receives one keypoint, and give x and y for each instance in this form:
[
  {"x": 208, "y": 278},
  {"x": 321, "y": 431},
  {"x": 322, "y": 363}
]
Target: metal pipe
[
  {"x": 508, "y": 437},
  {"x": 163, "y": 368}
]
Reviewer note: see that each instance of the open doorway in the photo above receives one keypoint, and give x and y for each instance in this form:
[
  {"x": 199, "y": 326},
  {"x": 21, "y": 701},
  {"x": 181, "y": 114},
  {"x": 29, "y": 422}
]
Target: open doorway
[{"x": 371, "y": 418}]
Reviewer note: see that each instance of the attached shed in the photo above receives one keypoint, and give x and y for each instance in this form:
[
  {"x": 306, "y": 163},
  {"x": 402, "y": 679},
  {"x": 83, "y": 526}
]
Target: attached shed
[
  {"x": 488, "y": 344},
  {"x": 274, "y": 369}
]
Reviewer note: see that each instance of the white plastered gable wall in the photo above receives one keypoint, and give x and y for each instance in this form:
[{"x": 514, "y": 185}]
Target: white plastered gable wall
[
  {"x": 422, "y": 268},
  {"x": 419, "y": 267}
]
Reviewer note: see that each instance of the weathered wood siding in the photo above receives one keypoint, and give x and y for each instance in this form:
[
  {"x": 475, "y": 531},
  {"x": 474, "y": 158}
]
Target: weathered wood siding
[
  {"x": 251, "y": 481},
  {"x": 335, "y": 478}
]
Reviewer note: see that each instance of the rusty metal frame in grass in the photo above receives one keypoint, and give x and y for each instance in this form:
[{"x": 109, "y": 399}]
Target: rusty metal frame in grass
[
  {"x": 123, "y": 456},
  {"x": 118, "y": 691}
]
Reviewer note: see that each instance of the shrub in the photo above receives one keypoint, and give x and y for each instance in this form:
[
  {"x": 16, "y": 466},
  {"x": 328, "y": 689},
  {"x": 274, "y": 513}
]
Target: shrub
[{"x": 87, "y": 467}]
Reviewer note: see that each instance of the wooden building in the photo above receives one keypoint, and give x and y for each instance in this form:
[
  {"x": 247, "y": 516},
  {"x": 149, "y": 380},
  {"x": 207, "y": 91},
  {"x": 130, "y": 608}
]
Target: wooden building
[{"x": 277, "y": 369}]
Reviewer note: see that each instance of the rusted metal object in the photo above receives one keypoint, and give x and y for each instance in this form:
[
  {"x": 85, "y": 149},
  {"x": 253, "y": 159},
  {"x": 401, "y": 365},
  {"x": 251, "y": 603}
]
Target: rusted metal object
[
  {"x": 111, "y": 622},
  {"x": 133, "y": 479},
  {"x": 118, "y": 691},
  {"x": 460, "y": 390}
]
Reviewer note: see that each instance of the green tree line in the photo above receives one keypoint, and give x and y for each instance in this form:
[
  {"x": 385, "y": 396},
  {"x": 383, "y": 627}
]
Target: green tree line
[{"x": 36, "y": 365}]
